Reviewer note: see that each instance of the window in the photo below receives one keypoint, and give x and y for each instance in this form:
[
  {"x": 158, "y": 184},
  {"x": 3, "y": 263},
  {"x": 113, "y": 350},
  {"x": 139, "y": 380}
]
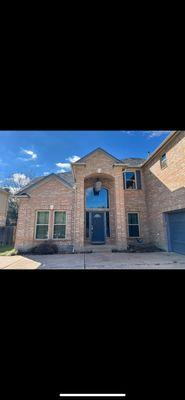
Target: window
[
  {"x": 133, "y": 225},
  {"x": 59, "y": 231},
  {"x": 42, "y": 225},
  {"x": 130, "y": 180},
  {"x": 97, "y": 201},
  {"x": 163, "y": 161}
]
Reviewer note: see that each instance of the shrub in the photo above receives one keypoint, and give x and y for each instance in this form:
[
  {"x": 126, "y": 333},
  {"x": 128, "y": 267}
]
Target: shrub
[{"x": 45, "y": 248}]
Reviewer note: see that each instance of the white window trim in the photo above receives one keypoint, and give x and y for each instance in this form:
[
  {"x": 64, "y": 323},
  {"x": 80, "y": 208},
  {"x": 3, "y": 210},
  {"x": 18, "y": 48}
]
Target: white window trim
[
  {"x": 126, "y": 179},
  {"x": 133, "y": 212},
  {"x": 60, "y": 225},
  {"x": 35, "y": 238}
]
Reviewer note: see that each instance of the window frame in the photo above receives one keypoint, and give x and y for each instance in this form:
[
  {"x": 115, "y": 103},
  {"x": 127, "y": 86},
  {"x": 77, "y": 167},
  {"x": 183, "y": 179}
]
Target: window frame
[
  {"x": 53, "y": 225},
  {"x": 134, "y": 172},
  {"x": 163, "y": 163},
  {"x": 35, "y": 232},
  {"x": 138, "y": 216}
]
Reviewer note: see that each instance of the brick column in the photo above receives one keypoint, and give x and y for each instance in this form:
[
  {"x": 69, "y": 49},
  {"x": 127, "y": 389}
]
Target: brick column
[
  {"x": 79, "y": 210},
  {"x": 120, "y": 220}
]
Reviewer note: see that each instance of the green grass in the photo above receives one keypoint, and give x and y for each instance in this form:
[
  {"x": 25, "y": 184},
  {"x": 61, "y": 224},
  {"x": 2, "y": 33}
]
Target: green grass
[{"x": 7, "y": 251}]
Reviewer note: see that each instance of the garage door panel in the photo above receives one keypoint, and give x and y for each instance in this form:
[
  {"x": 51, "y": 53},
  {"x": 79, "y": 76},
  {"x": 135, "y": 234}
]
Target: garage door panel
[{"x": 177, "y": 231}]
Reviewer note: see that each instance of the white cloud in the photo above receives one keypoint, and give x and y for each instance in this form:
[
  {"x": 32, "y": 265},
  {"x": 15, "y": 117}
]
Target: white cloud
[
  {"x": 46, "y": 173},
  {"x": 64, "y": 167},
  {"x": 30, "y": 153},
  {"x": 37, "y": 165},
  {"x": 152, "y": 134},
  {"x": 73, "y": 159}
]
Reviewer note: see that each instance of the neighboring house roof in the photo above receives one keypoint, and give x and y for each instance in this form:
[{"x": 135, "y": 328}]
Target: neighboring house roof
[
  {"x": 67, "y": 180},
  {"x": 94, "y": 151},
  {"x": 4, "y": 191},
  {"x": 68, "y": 177},
  {"x": 133, "y": 162}
]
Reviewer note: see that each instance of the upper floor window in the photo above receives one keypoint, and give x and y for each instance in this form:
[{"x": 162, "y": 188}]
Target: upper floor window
[
  {"x": 97, "y": 200},
  {"x": 42, "y": 225},
  {"x": 163, "y": 161},
  {"x": 132, "y": 179}
]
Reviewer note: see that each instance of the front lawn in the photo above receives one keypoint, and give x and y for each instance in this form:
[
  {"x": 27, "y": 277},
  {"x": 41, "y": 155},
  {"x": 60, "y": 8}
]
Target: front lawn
[{"x": 7, "y": 251}]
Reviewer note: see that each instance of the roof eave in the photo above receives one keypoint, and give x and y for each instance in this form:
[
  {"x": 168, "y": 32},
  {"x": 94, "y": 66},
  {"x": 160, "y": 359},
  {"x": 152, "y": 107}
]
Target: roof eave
[{"x": 159, "y": 148}]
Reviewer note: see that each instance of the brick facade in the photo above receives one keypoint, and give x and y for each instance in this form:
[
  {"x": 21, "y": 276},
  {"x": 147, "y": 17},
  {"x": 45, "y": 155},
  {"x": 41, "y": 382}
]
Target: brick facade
[
  {"x": 162, "y": 190},
  {"x": 165, "y": 188}
]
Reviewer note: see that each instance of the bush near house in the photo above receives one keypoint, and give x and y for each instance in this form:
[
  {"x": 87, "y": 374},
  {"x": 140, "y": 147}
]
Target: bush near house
[{"x": 45, "y": 248}]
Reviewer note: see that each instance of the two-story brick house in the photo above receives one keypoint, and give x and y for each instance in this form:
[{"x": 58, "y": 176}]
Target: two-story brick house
[{"x": 104, "y": 200}]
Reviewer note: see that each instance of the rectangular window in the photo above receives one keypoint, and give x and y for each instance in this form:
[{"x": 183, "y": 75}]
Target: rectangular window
[
  {"x": 163, "y": 161},
  {"x": 59, "y": 231},
  {"x": 133, "y": 225},
  {"x": 42, "y": 225},
  {"x": 130, "y": 180}
]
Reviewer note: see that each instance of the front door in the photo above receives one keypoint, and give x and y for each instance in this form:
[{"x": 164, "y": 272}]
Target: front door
[{"x": 97, "y": 227}]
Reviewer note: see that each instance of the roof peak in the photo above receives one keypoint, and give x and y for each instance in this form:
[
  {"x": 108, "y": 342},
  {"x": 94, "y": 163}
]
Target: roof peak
[{"x": 94, "y": 151}]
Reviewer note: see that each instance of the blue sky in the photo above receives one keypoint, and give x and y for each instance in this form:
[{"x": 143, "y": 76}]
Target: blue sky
[{"x": 36, "y": 153}]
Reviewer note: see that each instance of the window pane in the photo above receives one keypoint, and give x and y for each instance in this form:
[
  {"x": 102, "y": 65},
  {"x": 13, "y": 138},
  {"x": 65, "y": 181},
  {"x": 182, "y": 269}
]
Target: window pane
[
  {"x": 59, "y": 232},
  {"x": 130, "y": 176},
  {"x": 133, "y": 218},
  {"x": 100, "y": 200},
  {"x": 164, "y": 157},
  {"x": 130, "y": 180},
  {"x": 42, "y": 232},
  {"x": 133, "y": 230},
  {"x": 42, "y": 217},
  {"x": 87, "y": 224},
  {"x": 107, "y": 224},
  {"x": 60, "y": 217}
]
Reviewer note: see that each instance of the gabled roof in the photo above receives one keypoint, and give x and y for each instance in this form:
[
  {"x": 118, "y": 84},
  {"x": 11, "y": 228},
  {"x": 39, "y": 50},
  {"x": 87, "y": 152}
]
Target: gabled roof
[
  {"x": 67, "y": 181},
  {"x": 94, "y": 151},
  {"x": 133, "y": 162}
]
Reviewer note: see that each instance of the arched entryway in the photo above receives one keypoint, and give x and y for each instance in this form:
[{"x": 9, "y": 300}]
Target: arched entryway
[{"x": 99, "y": 209}]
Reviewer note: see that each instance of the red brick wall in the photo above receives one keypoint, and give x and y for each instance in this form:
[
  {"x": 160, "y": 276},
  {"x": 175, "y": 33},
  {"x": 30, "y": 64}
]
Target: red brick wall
[{"x": 51, "y": 192}]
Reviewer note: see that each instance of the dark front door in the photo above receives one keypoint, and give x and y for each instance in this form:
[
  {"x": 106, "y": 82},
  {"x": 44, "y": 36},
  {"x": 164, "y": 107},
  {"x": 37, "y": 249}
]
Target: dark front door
[{"x": 97, "y": 227}]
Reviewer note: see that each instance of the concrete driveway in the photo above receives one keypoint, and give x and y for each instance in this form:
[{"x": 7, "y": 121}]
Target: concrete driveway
[{"x": 156, "y": 260}]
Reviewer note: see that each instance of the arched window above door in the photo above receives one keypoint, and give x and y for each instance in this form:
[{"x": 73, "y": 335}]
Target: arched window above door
[{"x": 96, "y": 200}]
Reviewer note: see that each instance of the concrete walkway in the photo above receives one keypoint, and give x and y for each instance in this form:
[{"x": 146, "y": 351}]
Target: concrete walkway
[
  {"x": 18, "y": 262},
  {"x": 156, "y": 260}
]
